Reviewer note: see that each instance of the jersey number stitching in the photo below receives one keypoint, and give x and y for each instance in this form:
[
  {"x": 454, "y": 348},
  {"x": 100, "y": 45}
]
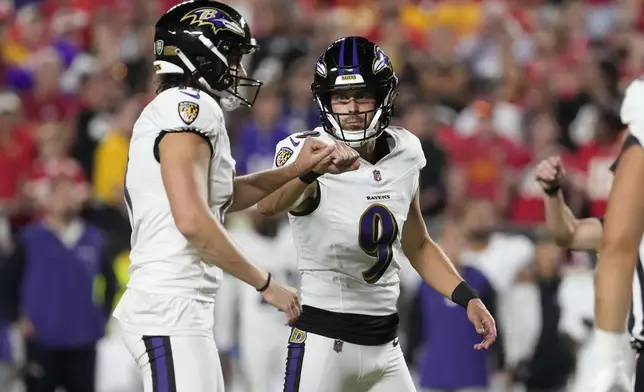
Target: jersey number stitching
[{"x": 377, "y": 233}]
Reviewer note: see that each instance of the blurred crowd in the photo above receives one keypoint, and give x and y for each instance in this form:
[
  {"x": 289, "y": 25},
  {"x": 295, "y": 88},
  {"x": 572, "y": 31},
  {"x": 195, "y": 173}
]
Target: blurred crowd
[{"x": 490, "y": 87}]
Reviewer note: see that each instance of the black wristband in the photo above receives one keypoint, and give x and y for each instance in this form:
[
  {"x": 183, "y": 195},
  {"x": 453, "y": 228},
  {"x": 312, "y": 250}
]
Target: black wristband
[
  {"x": 552, "y": 190},
  {"x": 463, "y": 293},
  {"x": 310, "y": 177},
  {"x": 265, "y": 286}
]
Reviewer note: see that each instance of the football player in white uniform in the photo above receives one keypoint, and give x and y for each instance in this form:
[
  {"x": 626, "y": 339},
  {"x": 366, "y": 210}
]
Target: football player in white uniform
[
  {"x": 619, "y": 250},
  {"x": 180, "y": 182},
  {"x": 586, "y": 234},
  {"x": 349, "y": 230}
]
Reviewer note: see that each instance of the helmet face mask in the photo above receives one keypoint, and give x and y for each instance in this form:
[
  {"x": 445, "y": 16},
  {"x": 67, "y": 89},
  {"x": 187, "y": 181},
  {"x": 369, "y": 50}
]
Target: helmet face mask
[
  {"x": 206, "y": 41},
  {"x": 363, "y": 90}
]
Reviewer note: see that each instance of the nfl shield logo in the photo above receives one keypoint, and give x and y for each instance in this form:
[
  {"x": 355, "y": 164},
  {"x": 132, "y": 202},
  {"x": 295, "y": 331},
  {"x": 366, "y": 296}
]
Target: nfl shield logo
[
  {"x": 376, "y": 175},
  {"x": 188, "y": 111}
]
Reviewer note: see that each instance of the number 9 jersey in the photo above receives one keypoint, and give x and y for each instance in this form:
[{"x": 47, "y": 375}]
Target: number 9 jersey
[{"x": 348, "y": 242}]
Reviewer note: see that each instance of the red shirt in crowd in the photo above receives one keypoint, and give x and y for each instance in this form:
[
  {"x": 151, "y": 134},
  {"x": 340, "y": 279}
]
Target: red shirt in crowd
[
  {"x": 16, "y": 155},
  {"x": 57, "y": 107},
  {"x": 43, "y": 172},
  {"x": 485, "y": 161},
  {"x": 527, "y": 206},
  {"x": 448, "y": 139}
]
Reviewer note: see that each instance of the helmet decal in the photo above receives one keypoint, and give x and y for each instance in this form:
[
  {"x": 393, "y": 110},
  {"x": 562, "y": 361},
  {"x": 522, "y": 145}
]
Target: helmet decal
[
  {"x": 381, "y": 61},
  {"x": 218, "y": 19},
  {"x": 354, "y": 66},
  {"x": 320, "y": 67}
]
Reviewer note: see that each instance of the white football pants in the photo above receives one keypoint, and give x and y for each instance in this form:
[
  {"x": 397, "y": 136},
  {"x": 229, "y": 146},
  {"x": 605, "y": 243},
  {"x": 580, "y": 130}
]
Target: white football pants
[
  {"x": 319, "y": 364},
  {"x": 177, "y": 363}
]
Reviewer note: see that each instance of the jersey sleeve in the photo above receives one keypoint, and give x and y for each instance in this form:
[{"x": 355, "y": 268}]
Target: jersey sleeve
[
  {"x": 631, "y": 111},
  {"x": 628, "y": 142},
  {"x": 287, "y": 150},
  {"x": 188, "y": 111},
  {"x": 422, "y": 161},
  {"x": 419, "y": 160},
  {"x": 416, "y": 149}
]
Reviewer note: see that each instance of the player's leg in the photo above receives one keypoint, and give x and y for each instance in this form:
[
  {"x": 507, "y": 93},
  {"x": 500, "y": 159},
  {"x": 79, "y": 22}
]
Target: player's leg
[
  {"x": 136, "y": 347},
  {"x": 395, "y": 376},
  {"x": 197, "y": 366},
  {"x": 151, "y": 355},
  {"x": 312, "y": 364},
  {"x": 177, "y": 363}
]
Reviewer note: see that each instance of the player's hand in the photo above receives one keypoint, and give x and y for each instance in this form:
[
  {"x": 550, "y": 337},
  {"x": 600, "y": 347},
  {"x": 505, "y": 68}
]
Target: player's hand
[
  {"x": 343, "y": 159},
  {"x": 285, "y": 299},
  {"x": 483, "y": 321},
  {"x": 612, "y": 379},
  {"x": 313, "y": 152},
  {"x": 550, "y": 172}
]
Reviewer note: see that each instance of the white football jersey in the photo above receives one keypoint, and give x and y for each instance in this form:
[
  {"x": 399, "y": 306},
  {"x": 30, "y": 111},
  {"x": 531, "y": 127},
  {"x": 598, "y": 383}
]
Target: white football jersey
[
  {"x": 162, "y": 260},
  {"x": 631, "y": 111},
  {"x": 349, "y": 248}
]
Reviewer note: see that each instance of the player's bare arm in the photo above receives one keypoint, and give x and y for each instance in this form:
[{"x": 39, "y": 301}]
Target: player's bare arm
[
  {"x": 568, "y": 231},
  {"x": 437, "y": 270},
  {"x": 618, "y": 256},
  {"x": 295, "y": 196},
  {"x": 623, "y": 229},
  {"x": 250, "y": 189},
  {"x": 298, "y": 193},
  {"x": 185, "y": 159}
]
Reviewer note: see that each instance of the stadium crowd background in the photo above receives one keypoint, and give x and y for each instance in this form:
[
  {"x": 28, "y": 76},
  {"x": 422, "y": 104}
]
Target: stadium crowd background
[{"x": 490, "y": 87}]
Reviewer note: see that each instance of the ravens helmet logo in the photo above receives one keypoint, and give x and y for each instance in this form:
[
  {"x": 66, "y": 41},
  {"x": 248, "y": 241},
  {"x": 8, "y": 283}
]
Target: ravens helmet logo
[{"x": 218, "y": 19}]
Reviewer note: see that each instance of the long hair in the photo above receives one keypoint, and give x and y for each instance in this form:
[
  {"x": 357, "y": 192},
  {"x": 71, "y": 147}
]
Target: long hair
[{"x": 168, "y": 81}]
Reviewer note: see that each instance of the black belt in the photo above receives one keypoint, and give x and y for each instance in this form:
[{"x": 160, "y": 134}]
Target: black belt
[{"x": 358, "y": 329}]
